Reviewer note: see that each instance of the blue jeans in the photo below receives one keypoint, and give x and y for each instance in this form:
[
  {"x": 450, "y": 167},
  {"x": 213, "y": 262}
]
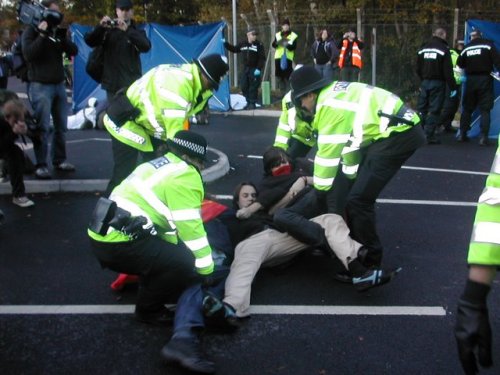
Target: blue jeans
[
  {"x": 50, "y": 99},
  {"x": 326, "y": 71}
]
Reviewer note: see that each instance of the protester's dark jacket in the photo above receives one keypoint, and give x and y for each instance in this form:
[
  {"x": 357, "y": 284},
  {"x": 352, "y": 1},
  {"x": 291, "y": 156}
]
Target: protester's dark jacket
[
  {"x": 122, "y": 49},
  {"x": 434, "y": 62},
  {"x": 272, "y": 188},
  {"x": 44, "y": 55},
  {"x": 253, "y": 53},
  {"x": 479, "y": 57},
  {"x": 325, "y": 51}
]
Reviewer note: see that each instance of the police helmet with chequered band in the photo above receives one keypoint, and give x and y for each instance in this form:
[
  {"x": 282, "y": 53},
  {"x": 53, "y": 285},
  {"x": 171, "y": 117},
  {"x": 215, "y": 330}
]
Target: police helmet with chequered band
[
  {"x": 214, "y": 67},
  {"x": 189, "y": 143},
  {"x": 304, "y": 80}
]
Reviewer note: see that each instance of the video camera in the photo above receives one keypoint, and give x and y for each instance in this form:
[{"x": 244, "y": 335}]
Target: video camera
[
  {"x": 32, "y": 13},
  {"x": 112, "y": 23}
]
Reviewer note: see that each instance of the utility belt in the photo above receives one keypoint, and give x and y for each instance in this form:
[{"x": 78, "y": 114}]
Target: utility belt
[
  {"x": 121, "y": 110},
  {"x": 402, "y": 117},
  {"x": 107, "y": 214}
]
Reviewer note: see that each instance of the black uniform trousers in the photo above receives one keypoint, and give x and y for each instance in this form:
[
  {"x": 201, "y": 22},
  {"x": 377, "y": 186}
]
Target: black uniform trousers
[
  {"x": 429, "y": 104},
  {"x": 249, "y": 84},
  {"x": 356, "y": 198},
  {"x": 14, "y": 158},
  {"x": 450, "y": 107},
  {"x": 125, "y": 160},
  {"x": 478, "y": 92},
  {"x": 165, "y": 270}
]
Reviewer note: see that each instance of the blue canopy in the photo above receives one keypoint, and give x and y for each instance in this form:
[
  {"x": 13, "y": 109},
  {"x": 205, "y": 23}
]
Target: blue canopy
[
  {"x": 170, "y": 45},
  {"x": 491, "y": 31}
]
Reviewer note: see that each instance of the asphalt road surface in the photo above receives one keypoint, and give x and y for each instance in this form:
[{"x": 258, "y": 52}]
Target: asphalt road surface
[{"x": 59, "y": 316}]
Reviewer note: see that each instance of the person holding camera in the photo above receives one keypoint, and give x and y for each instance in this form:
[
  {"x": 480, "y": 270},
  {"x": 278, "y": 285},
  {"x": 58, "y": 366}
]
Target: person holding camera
[
  {"x": 12, "y": 125},
  {"x": 350, "y": 62},
  {"x": 122, "y": 44},
  {"x": 43, "y": 46}
]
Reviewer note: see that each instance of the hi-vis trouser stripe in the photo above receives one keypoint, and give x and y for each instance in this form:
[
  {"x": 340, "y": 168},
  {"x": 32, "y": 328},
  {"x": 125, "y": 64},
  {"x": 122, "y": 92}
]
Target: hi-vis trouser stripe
[
  {"x": 389, "y": 105},
  {"x": 124, "y": 132},
  {"x": 490, "y": 196},
  {"x": 495, "y": 168}
]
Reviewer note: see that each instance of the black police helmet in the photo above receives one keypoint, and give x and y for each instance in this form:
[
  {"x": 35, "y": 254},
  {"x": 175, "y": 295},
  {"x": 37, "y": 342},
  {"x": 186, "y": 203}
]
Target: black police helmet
[
  {"x": 189, "y": 143},
  {"x": 214, "y": 67},
  {"x": 304, "y": 80}
]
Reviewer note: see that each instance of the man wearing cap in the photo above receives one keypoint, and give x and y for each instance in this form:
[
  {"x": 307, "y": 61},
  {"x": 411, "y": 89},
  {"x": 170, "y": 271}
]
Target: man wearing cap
[
  {"x": 122, "y": 43},
  {"x": 151, "y": 226},
  {"x": 156, "y": 106},
  {"x": 365, "y": 133},
  {"x": 478, "y": 59},
  {"x": 285, "y": 44},
  {"x": 254, "y": 59}
]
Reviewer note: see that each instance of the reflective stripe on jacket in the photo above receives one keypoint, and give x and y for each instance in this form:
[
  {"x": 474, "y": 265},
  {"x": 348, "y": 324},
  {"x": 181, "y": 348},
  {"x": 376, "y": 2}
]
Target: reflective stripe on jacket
[
  {"x": 356, "y": 54},
  {"x": 484, "y": 246},
  {"x": 168, "y": 192},
  {"x": 347, "y": 120},
  {"x": 291, "y": 126},
  {"x": 166, "y": 96}
]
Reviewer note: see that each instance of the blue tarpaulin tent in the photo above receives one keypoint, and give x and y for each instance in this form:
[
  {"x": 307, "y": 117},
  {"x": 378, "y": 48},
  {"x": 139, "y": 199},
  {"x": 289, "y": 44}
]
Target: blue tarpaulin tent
[
  {"x": 491, "y": 31},
  {"x": 170, "y": 45}
]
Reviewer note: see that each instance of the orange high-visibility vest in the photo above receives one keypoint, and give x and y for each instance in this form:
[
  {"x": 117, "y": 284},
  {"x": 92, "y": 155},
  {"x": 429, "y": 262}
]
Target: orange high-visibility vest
[{"x": 356, "y": 54}]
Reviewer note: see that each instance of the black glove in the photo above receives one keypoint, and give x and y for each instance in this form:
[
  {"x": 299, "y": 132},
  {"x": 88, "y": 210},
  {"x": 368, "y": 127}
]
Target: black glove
[
  {"x": 472, "y": 330},
  {"x": 219, "y": 274}
]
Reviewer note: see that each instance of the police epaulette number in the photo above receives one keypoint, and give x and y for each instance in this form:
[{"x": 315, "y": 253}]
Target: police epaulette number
[
  {"x": 341, "y": 86},
  {"x": 159, "y": 162}
]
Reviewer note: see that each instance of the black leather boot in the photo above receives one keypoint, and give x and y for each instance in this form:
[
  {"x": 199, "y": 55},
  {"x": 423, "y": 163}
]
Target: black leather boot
[{"x": 187, "y": 353}]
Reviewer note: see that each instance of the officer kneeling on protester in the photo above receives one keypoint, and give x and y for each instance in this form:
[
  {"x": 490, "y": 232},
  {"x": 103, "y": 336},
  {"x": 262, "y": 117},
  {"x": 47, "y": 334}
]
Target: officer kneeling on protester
[
  {"x": 151, "y": 226},
  {"x": 365, "y": 134}
]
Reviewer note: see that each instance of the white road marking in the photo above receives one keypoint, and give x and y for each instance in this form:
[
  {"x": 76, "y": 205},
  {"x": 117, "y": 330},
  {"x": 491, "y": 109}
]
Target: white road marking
[
  {"x": 392, "y": 201},
  {"x": 256, "y": 310}
]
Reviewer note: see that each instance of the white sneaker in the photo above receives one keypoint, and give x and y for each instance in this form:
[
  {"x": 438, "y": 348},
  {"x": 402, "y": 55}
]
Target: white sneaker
[{"x": 23, "y": 202}]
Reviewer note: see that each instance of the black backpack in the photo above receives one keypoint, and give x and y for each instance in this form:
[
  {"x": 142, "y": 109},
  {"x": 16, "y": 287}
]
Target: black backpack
[
  {"x": 19, "y": 65},
  {"x": 95, "y": 64}
]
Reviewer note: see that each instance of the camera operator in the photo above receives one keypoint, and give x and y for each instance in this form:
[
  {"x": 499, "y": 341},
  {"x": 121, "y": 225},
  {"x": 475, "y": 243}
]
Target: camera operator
[
  {"x": 43, "y": 47},
  {"x": 122, "y": 43},
  {"x": 12, "y": 125}
]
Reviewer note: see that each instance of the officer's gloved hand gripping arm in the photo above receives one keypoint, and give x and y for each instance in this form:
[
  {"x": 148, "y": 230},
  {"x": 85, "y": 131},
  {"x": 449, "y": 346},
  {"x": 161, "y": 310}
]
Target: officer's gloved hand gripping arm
[{"x": 472, "y": 329}]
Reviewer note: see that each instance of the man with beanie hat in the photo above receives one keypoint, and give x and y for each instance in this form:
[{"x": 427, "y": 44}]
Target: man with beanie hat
[
  {"x": 122, "y": 43},
  {"x": 151, "y": 226},
  {"x": 156, "y": 106},
  {"x": 254, "y": 59},
  {"x": 285, "y": 44}
]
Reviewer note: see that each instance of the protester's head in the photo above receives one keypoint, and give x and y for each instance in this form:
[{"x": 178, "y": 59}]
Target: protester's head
[
  {"x": 189, "y": 146},
  {"x": 323, "y": 34},
  {"x": 124, "y": 9},
  {"x": 276, "y": 162},
  {"x": 306, "y": 83},
  {"x": 285, "y": 25},
  {"x": 459, "y": 45},
  {"x": 440, "y": 33},
  {"x": 12, "y": 108},
  {"x": 252, "y": 34},
  {"x": 213, "y": 68},
  {"x": 244, "y": 195}
]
